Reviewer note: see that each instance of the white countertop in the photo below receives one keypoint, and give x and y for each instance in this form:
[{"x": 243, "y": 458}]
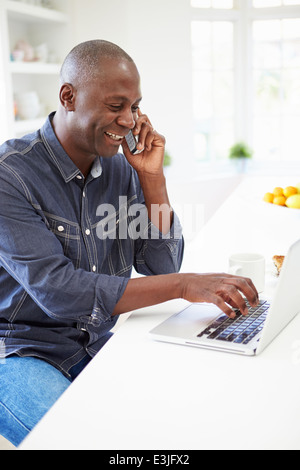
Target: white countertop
[{"x": 141, "y": 394}]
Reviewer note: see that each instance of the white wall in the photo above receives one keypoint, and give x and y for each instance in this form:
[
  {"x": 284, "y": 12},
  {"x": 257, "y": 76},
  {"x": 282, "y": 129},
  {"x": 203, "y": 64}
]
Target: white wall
[{"x": 156, "y": 33}]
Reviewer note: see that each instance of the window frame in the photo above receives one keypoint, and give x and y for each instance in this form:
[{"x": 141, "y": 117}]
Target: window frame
[{"x": 242, "y": 16}]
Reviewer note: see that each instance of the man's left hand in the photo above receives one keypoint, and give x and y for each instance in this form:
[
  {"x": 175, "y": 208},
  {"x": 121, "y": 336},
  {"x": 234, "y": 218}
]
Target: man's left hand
[{"x": 150, "y": 160}]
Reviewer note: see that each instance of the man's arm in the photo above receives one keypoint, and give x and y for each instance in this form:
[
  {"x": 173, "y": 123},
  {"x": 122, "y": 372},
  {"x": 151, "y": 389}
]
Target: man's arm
[
  {"x": 149, "y": 167},
  {"x": 223, "y": 290},
  {"x": 163, "y": 250},
  {"x": 157, "y": 201}
]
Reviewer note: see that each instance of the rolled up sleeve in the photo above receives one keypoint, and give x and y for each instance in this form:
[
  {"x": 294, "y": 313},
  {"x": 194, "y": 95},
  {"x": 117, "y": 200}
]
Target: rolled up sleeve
[{"x": 161, "y": 253}]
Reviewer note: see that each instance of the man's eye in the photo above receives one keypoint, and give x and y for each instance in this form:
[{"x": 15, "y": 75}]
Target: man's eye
[
  {"x": 115, "y": 107},
  {"x": 135, "y": 109}
]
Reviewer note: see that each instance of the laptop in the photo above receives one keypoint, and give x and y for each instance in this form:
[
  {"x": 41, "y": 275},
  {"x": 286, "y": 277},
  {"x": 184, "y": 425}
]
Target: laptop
[{"x": 206, "y": 326}]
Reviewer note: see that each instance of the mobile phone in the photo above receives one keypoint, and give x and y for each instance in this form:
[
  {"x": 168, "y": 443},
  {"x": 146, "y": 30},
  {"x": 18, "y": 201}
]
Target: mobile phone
[{"x": 132, "y": 143}]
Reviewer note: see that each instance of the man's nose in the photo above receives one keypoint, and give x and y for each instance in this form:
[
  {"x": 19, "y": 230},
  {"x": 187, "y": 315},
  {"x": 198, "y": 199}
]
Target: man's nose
[{"x": 126, "y": 119}]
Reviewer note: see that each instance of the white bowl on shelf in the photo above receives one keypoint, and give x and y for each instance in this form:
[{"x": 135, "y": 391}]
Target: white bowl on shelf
[{"x": 28, "y": 105}]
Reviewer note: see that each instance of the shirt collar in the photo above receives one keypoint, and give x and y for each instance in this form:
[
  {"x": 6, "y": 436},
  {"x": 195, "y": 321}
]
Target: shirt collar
[
  {"x": 61, "y": 159},
  {"x": 96, "y": 169}
]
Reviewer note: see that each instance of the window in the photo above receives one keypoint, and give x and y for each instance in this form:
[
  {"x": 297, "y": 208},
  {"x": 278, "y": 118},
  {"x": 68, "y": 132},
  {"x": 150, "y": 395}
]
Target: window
[
  {"x": 246, "y": 77},
  {"x": 213, "y": 81},
  {"x": 223, "y": 4},
  {"x": 274, "y": 3},
  {"x": 276, "y": 69}
]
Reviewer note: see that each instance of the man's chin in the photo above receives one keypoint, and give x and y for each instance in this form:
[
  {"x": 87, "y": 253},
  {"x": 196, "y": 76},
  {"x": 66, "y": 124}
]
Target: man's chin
[{"x": 110, "y": 152}]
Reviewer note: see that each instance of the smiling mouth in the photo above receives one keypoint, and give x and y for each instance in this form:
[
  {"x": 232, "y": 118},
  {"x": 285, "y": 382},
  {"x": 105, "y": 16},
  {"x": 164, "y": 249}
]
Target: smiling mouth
[{"x": 115, "y": 137}]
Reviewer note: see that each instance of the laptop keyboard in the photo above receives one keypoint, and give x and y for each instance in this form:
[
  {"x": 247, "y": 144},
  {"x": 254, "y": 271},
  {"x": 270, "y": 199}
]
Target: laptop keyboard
[{"x": 240, "y": 329}]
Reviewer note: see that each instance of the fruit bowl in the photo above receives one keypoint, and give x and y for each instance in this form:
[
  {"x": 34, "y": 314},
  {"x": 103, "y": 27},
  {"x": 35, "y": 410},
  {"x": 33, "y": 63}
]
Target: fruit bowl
[{"x": 287, "y": 198}]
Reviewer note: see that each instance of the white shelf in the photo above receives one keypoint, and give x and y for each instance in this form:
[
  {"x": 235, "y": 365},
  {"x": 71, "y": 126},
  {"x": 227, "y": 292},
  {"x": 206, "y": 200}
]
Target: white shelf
[
  {"x": 36, "y": 25},
  {"x": 17, "y": 10},
  {"x": 34, "y": 68}
]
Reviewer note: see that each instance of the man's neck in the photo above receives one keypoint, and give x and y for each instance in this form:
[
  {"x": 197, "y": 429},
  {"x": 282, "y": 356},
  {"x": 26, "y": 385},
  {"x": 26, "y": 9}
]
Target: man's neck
[{"x": 84, "y": 164}]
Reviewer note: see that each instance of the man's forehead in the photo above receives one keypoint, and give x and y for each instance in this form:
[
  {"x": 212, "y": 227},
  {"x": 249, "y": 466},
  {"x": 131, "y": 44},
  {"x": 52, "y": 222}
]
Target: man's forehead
[
  {"x": 123, "y": 98},
  {"x": 120, "y": 79}
]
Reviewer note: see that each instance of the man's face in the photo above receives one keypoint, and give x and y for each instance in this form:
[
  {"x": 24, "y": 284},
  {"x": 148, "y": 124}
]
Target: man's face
[{"x": 106, "y": 109}]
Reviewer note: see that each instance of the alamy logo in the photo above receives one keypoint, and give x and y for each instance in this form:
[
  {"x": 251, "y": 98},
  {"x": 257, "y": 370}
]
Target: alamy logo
[
  {"x": 132, "y": 220},
  {"x": 126, "y": 221}
]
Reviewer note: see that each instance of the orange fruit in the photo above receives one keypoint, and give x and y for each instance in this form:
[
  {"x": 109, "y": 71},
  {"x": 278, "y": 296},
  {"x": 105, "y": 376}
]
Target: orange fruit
[
  {"x": 279, "y": 200},
  {"x": 293, "y": 202},
  {"x": 278, "y": 192},
  {"x": 290, "y": 191},
  {"x": 269, "y": 197}
]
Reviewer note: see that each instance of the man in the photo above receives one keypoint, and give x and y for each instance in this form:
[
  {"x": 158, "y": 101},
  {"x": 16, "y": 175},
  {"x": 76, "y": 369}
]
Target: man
[{"x": 65, "y": 258}]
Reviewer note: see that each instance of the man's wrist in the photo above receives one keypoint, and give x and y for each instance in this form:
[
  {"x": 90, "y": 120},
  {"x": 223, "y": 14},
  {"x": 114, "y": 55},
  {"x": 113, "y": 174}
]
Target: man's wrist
[
  {"x": 150, "y": 290},
  {"x": 157, "y": 202},
  {"x": 152, "y": 181}
]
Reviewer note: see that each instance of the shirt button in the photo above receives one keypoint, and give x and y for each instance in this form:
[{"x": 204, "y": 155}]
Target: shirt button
[
  {"x": 94, "y": 269},
  {"x": 61, "y": 228},
  {"x": 87, "y": 232},
  {"x": 83, "y": 194},
  {"x": 79, "y": 177}
]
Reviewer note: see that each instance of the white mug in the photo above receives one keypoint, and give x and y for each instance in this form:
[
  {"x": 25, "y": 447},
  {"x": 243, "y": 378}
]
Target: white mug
[{"x": 249, "y": 265}]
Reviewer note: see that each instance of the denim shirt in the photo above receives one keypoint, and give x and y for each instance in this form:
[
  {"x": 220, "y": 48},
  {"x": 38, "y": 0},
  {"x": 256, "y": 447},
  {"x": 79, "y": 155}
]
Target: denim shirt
[{"x": 60, "y": 277}]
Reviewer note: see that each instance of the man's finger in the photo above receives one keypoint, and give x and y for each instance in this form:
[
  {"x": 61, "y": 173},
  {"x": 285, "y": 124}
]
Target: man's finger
[{"x": 246, "y": 286}]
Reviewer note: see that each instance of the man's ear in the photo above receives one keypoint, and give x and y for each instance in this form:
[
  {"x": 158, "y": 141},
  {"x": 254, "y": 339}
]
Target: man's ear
[{"x": 67, "y": 97}]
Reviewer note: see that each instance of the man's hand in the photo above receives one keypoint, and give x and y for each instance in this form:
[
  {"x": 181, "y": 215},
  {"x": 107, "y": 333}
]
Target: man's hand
[
  {"x": 150, "y": 160},
  {"x": 223, "y": 290}
]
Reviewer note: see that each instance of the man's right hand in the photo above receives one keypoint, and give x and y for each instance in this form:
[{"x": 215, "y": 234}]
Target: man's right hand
[{"x": 224, "y": 290}]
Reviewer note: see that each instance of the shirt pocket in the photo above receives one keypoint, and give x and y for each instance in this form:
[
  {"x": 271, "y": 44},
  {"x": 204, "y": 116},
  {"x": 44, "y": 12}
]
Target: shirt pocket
[{"x": 68, "y": 234}]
